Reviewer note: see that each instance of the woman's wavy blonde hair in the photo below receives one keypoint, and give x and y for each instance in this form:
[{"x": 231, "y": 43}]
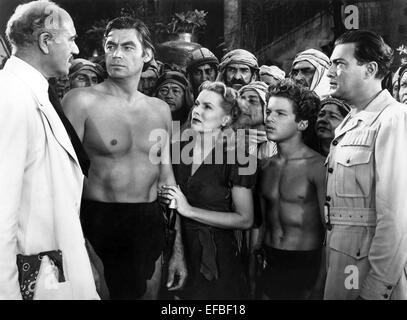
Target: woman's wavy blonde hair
[{"x": 231, "y": 103}]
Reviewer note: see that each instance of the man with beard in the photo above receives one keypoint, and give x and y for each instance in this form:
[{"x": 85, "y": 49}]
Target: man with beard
[
  {"x": 174, "y": 88},
  {"x": 202, "y": 66},
  {"x": 331, "y": 114},
  {"x": 238, "y": 68},
  {"x": 366, "y": 200},
  {"x": 309, "y": 69}
]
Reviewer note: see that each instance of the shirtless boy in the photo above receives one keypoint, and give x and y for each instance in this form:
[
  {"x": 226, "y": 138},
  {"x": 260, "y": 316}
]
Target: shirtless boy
[
  {"x": 120, "y": 214},
  {"x": 291, "y": 190}
]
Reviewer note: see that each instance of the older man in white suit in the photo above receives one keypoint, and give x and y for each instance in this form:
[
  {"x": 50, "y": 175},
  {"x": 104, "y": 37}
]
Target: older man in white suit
[{"x": 40, "y": 176}]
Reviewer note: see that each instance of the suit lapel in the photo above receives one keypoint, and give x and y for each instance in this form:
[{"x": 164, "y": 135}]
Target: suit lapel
[{"x": 57, "y": 129}]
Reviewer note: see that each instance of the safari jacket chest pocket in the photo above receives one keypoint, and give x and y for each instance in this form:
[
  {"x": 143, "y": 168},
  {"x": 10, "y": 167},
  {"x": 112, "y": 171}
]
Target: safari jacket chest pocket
[{"x": 354, "y": 172}]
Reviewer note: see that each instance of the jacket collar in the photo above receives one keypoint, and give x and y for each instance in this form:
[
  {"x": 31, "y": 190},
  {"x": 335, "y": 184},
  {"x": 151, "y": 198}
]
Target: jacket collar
[
  {"x": 367, "y": 115},
  {"x": 38, "y": 84},
  {"x": 29, "y": 75}
]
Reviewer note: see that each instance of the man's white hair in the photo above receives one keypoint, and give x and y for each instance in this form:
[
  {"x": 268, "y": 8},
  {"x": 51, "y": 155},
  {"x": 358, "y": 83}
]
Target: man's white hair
[{"x": 31, "y": 19}]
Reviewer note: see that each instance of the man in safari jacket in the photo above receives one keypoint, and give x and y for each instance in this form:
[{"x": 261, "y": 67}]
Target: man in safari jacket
[{"x": 366, "y": 202}]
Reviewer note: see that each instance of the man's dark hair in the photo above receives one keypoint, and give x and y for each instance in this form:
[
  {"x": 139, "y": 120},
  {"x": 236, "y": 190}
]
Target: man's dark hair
[
  {"x": 306, "y": 105},
  {"x": 369, "y": 46},
  {"x": 143, "y": 34}
]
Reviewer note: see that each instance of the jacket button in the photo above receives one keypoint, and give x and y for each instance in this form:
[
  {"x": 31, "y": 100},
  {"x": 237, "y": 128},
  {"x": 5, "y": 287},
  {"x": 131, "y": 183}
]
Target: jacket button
[
  {"x": 330, "y": 170},
  {"x": 347, "y": 161},
  {"x": 389, "y": 287},
  {"x": 328, "y": 198},
  {"x": 386, "y": 296},
  {"x": 335, "y": 142}
]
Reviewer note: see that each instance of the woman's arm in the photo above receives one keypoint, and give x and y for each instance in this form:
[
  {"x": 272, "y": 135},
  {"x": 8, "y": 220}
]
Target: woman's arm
[{"x": 241, "y": 218}]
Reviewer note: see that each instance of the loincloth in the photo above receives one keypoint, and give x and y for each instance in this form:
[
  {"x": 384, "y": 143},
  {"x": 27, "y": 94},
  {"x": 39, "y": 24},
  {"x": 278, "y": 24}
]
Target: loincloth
[
  {"x": 129, "y": 238},
  {"x": 289, "y": 274}
]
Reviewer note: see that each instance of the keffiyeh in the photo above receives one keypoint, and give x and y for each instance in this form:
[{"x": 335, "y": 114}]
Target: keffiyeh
[{"x": 320, "y": 81}]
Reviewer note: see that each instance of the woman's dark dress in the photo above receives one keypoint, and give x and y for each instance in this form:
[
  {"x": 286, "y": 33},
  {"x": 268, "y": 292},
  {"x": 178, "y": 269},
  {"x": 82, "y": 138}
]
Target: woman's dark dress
[{"x": 214, "y": 267}]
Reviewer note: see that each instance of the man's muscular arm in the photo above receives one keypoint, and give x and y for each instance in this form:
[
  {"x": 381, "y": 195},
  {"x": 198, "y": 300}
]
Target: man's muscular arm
[
  {"x": 177, "y": 265},
  {"x": 74, "y": 105}
]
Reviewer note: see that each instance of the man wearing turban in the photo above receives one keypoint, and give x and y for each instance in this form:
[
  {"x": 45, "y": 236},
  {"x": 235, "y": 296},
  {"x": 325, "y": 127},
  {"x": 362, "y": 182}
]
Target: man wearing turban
[
  {"x": 174, "y": 88},
  {"x": 310, "y": 69},
  {"x": 330, "y": 116},
  {"x": 84, "y": 73},
  {"x": 271, "y": 75},
  {"x": 202, "y": 66},
  {"x": 149, "y": 78},
  {"x": 252, "y": 117},
  {"x": 238, "y": 68}
]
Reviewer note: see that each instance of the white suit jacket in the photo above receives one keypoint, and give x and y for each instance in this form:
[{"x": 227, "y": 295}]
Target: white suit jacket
[
  {"x": 40, "y": 183},
  {"x": 366, "y": 189}
]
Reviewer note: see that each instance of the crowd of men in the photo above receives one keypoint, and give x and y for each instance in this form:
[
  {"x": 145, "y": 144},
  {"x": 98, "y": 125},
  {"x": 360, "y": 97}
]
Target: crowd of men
[{"x": 79, "y": 192}]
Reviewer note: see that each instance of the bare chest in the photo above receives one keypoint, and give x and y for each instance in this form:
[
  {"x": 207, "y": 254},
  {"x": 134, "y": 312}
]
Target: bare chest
[
  {"x": 119, "y": 130},
  {"x": 286, "y": 182}
]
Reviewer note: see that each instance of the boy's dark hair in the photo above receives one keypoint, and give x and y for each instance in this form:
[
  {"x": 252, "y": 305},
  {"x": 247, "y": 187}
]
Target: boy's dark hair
[
  {"x": 369, "y": 46},
  {"x": 305, "y": 103}
]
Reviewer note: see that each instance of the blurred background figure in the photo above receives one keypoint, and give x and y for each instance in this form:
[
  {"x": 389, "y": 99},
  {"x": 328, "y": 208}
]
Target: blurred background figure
[
  {"x": 395, "y": 85},
  {"x": 174, "y": 88},
  {"x": 149, "y": 78},
  {"x": 202, "y": 66},
  {"x": 331, "y": 114},
  {"x": 271, "y": 75},
  {"x": 84, "y": 73},
  {"x": 402, "y": 84},
  {"x": 60, "y": 85}
]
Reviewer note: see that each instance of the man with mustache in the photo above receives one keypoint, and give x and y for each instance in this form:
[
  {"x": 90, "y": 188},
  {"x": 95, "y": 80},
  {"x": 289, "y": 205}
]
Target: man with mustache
[
  {"x": 331, "y": 114},
  {"x": 309, "y": 69},
  {"x": 238, "y": 68},
  {"x": 41, "y": 177},
  {"x": 366, "y": 203},
  {"x": 291, "y": 191}
]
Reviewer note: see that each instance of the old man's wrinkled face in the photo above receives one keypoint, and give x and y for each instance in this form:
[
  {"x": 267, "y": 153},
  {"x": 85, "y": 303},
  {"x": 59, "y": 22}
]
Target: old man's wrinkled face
[
  {"x": 252, "y": 110},
  {"x": 238, "y": 75},
  {"x": 302, "y": 73}
]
